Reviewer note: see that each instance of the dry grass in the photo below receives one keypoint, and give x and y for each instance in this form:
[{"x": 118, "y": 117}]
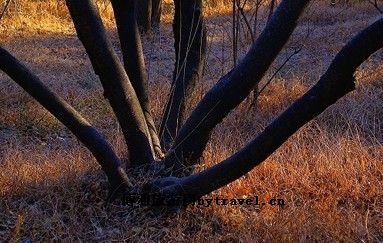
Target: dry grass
[{"x": 330, "y": 173}]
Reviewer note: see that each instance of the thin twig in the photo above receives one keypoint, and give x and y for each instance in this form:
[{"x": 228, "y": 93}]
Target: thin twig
[
  {"x": 234, "y": 35},
  {"x": 296, "y": 51},
  {"x": 5, "y": 9},
  {"x": 242, "y": 12},
  {"x": 375, "y": 4}
]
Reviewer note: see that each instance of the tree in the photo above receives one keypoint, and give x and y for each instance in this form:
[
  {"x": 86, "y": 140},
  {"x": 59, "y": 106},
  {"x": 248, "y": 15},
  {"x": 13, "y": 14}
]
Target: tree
[
  {"x": 190, "y": 46},
  {"x": 148, "y": 14},
  {"x": 125, "y": 88}
]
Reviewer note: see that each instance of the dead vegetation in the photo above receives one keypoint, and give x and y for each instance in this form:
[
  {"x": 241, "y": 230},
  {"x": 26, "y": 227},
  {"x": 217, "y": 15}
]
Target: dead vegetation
[{"x": 330, "y": 173}]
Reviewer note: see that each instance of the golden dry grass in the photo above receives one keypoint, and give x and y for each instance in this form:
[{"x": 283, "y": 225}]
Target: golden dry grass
[{"x": 330, "y": 173}]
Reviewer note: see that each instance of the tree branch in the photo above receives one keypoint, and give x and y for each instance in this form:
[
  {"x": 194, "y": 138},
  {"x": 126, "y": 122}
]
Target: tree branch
[
  {"x": 376, "y": 6},
  {"x": 190, "y": 45},
  {"x": 117, "y": 87},
  {"x": 66, "y": 114},
  {"x": 134, "y": 63},
  {"x": 5, "y": 9},
  {"x": 234, "y": 87},
  {"x": 333, "y": 85}
]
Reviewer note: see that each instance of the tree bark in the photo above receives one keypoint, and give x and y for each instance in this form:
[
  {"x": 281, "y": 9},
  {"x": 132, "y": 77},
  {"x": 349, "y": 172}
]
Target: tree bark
[
  {"x": 234, "y": 87},
  {"x": 333, "y": 85},
  {"x": 66, "y": 114},
  {"x": 190, "y": 46},
  {"x": 117, "y": 87},
  {"x": 134, "y": 63}
]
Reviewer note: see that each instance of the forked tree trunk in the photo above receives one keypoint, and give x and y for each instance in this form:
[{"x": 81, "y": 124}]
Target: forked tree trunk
[
  {"x": 190, "y": 48},
  {"x": 333, "y": 85},
  {"x": 234, "y": 87},
  {"x": 127, "y": 93},
  {"x": 117, "y": 86}
]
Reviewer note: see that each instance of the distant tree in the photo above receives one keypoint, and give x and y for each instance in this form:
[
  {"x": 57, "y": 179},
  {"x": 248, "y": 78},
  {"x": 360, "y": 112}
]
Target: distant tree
[
  {"x": 148, "y": 14},
  {"x": 125, "y": 87}
]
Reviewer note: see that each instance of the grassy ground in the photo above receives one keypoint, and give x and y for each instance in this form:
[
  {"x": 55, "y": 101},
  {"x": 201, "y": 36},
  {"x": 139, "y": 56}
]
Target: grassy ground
[{"x": 330, "y": 173}]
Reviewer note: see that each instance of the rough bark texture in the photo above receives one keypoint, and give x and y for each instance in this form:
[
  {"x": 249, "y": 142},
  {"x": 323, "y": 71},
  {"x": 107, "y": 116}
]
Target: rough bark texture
[
  {"x": 234, "y": 87},
  {"x": 66, "y": 114},
  {"x": 117, "y": 87},
  {"x": 134, "y": 63},
  {"x": 190, "y": 46},
  {"x": 333, "y": 85}
]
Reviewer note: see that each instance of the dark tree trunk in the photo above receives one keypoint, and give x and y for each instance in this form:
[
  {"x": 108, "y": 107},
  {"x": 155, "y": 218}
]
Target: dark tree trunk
[
  {"x": 190, "y": 46},
  {"x": 144, "y": 14},
  {"x": 234, "y": 87},
  {"x": 333, "y": 85},
  {"x": 134, "y": 62},
  {"x": 148, "y": 14},
  {"x": 66, "y": 114},
  {"x": 127, "y": 93},
  {"x": 117, "y": 86}
]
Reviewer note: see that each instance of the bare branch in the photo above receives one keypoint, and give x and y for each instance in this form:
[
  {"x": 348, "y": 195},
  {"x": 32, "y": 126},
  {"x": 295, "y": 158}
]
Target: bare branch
[
  {"x": 258, "y": 91},
  {"x": 241, "y": 9},
  {"x": 5, "y": 8},
  {"x": 234, "y": 32},
  {"x": 333, "y": 85},
  {"x": 375, "y": 4},
  {"x": 234, "y": 87},
  {"x": 66, "y": 114},
  {"x": 296, "y": 51},
  {"x": 134, "y": 63},
  {"x": 117, "y": 87}
]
